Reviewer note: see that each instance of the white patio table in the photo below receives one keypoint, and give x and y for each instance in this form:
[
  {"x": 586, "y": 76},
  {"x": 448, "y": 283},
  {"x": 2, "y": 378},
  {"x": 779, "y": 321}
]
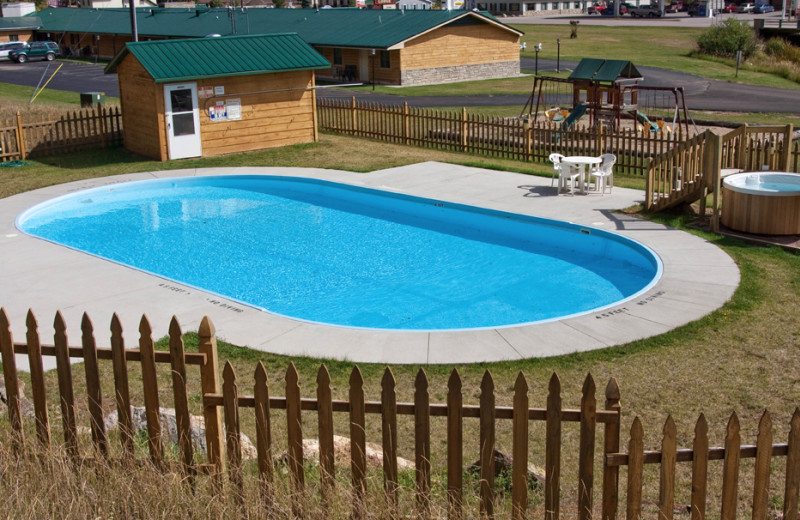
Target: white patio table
[{"x": 582, "y": 161}]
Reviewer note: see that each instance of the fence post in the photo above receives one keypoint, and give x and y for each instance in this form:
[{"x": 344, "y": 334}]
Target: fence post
[
  {"x": 742, "y": 148},
  {"x": 358, "y": 441},
  {"x": 713, "y": 166},
  {"x": 552, "y": 485},
  {"x": 519, "y": 468},
  {"x": 406, "y": 132},
  {"x": 786, "y": 149},
  {"x": 792, "y": 487},
  {"x": 20, "y": 138},
  {"x": 526, "y": 137},
  {"x": 37, "y": 381},
  {"x": 612, "y": 433},
  {"x": 389, "y": 437},
  {"x": 463, "y": 129},
  {"x": 230, "y": 396},
  {"x": 95, "y": 395},
  {"x": 487, "y": 443},
  {"x": 10, "y": 375},
  {"x": 422, "y": 444},
  {"x": 209, "y": 382},
  {"x": 65, "y": 388},
  {"x": 586, "y": 454},
  {"x": 353, "y": 114},
  {"x": 294, "y": 430},
  {"x": 454, "y": 447}
]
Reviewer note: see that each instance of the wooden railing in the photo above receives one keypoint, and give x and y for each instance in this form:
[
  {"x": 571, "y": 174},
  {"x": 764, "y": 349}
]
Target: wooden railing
[
  {"x": 79, "y": 130},
  {"x": 226, "y": 400},
  {"x": 678, "y": 174},
  {"x": 752, "y": 148},
  {"x": 503, "y": 137}
]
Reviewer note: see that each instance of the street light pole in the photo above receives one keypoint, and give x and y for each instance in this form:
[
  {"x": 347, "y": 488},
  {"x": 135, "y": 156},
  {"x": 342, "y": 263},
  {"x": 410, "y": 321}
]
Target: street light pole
[
  {"x": 537, "y": 48},
  {"x": 558, "y": 59}
]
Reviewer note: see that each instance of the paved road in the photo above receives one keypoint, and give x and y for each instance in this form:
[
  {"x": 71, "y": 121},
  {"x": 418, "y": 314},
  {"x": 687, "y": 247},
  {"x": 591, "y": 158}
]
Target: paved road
[{"x": 701, "y": 93}]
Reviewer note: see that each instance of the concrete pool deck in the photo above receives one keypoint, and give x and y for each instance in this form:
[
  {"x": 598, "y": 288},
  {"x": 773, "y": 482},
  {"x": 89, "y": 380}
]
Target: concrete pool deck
[{"x": 698, "y": 278}]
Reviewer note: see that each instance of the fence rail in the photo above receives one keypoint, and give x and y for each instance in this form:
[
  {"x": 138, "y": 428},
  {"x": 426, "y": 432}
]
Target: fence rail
[
  {"x": 79, "y": 130},
  {"x": 597, "y": 427}
]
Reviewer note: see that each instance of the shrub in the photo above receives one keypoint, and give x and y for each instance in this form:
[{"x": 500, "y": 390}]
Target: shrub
[
  {"x": 724, "y": 39},
  {"x": 780, "y": 49}
]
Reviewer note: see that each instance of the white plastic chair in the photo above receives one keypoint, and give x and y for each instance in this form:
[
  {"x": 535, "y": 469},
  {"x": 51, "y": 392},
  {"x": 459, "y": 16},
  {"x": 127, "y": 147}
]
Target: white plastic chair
[
  {"x": 555, "y": 158},
  {"x": 604, "y": 174},
  {"x": 571, "y": 173}
]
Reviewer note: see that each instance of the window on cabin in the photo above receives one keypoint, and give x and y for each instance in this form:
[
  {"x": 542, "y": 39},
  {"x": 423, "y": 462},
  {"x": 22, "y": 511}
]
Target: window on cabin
[
  {"x": 13, "y": 37},
  {"x": 337, "y": 56},
  {"x": 385, "y": 60}
]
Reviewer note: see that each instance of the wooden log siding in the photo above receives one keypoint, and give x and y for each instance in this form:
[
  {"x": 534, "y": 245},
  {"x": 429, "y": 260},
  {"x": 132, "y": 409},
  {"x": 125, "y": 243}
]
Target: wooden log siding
[
  {"x": 508, "y": 138},
  {"x": 454, "y": 414},
  {"x": 50, "y": 135}
]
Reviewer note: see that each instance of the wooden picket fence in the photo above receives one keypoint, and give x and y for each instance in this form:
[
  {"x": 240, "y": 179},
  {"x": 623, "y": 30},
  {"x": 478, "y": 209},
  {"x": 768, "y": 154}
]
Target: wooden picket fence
[
  {"x": 49, "y": 135},
  {"x": 491, "y": 136},
  {"x": 597, "y": 427}
]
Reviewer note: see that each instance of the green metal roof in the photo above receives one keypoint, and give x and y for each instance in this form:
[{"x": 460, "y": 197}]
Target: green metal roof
[
  {"x": 606, "y": 71},
  {"x": 379, "y": 29},
  {"x": 182, "y": 60},
  {"x": 11, "y": 23}
]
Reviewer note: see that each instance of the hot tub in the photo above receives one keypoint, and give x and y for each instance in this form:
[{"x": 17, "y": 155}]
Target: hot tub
[{"x": 764, "y": 203}]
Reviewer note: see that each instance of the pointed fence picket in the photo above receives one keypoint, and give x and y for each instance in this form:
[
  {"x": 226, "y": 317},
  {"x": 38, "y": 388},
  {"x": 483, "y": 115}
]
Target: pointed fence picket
[{"x": 224, "y": 453}]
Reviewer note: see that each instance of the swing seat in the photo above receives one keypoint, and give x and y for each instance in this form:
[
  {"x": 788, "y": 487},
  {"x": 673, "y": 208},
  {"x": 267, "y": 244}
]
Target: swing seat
[{"x": 555, "y": 114}]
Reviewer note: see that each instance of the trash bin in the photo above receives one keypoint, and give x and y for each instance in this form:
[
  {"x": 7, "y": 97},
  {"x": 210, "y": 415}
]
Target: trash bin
[{"x": 90, "y": 99}]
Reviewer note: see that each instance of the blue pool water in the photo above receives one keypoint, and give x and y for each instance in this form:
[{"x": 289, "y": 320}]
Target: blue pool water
[{"x": 343, "y": 255}]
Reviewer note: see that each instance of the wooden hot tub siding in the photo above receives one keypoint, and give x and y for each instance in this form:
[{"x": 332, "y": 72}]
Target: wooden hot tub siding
[{"x": 761, "y": 214}]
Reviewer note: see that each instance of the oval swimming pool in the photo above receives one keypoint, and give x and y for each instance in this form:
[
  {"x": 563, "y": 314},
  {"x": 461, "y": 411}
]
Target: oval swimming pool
[{"x": 344, "y": 255}]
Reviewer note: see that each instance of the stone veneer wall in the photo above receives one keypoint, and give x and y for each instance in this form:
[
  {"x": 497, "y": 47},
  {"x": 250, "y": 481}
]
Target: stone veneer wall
[{"x": 435, "y": 75}]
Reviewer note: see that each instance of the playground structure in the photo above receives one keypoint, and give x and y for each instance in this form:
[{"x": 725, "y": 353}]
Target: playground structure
[{"x": 609, "y": 93}]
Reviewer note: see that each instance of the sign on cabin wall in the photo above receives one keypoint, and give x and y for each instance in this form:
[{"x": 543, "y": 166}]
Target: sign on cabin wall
[
  {"x": 233, "y": 108},
  {"x": 230, "y": 110}
]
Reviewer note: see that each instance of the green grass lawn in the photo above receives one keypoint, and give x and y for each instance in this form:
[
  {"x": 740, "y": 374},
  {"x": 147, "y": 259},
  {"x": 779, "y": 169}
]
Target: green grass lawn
[{"x": 741, "y": 357}]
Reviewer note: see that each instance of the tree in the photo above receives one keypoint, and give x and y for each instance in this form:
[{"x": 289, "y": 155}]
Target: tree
[
  {"x": 279, "y": 4},
  {"x": 728, "y": 37}
]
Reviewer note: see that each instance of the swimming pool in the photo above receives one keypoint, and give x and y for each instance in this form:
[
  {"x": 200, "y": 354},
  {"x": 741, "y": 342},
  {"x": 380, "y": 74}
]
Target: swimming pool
[{"x": 342, "y": 255}]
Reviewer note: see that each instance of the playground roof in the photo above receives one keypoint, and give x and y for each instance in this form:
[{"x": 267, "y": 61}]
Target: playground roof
[{"x": 595, "y": 69}]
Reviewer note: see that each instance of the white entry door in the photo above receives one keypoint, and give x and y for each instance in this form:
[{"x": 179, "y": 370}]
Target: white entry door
[
  {"x": 183, "y": 120},
  {"x": 363, "y": 65}
]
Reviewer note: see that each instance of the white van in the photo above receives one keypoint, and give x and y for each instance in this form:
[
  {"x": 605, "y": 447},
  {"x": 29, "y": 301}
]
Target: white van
[{"x": 6, "y": 47}]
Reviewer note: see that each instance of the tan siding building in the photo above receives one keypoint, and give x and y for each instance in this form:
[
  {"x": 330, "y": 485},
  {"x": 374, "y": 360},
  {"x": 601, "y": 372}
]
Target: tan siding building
[{"x": 235, "y": 97}]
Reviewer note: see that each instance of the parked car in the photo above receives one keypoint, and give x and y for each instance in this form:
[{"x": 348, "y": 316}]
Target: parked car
[
  {"x": 646, "y": 11},
  {"x": 674, "y": 7},
  {"x": 763, "y": 9},
  {"x": 44, "y": 50},
  {"x": 698, "y": 10},
  {"x": 596, "y": 8},
  {"x": 6, "y": 47},
  {"x": 746, "y": 7},
  {"x": 729, "y": 8}
]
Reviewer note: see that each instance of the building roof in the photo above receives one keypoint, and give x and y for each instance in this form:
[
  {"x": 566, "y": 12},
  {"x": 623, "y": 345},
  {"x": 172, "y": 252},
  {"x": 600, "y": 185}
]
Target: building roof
[
  {"x": 15, "y": 23},
  {"x": 183, "y": 60},
  {"x": 379, "y": 29},
  {"x": 606, "y": 71}
]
